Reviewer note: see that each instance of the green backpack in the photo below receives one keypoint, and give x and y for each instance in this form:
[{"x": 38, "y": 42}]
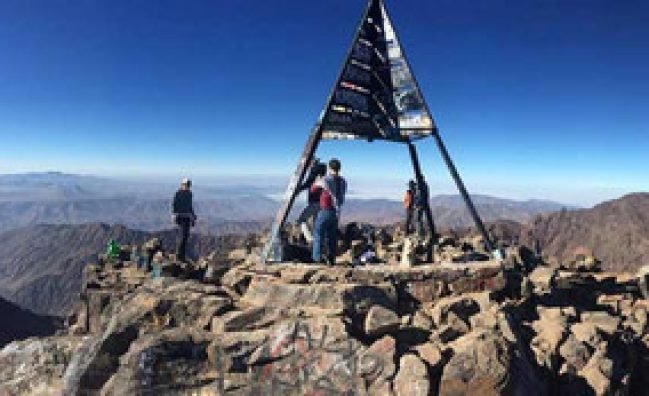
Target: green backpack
[{"x": 113, "y": 249}]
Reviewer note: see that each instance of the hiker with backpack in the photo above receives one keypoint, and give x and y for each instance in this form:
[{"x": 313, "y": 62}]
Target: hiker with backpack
[
  {"x": 183, "y": 215},
  {"x": 317, "y": 171},
  {"x": 332, "y": 197}
]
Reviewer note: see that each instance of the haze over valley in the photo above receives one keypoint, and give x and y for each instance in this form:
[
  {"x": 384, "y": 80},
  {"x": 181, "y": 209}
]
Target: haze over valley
[{"x": 58, "y": 198}]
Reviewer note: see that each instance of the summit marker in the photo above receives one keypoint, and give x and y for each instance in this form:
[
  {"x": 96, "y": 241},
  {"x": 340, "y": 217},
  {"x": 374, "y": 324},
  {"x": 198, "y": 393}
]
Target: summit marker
[{"x": 376, "y": 97}]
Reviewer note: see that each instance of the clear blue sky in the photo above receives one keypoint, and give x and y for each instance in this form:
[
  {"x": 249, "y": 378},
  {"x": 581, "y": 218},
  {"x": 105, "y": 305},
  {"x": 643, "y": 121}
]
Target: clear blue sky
[{"x": 535, "y": 98}]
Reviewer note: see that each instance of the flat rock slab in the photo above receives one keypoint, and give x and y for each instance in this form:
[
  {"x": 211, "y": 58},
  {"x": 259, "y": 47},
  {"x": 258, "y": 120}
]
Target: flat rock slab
[
  {"x": 308, "y": 285},
  {"x": 338, "y": 297},
  {"x": 381, "y": 321}
]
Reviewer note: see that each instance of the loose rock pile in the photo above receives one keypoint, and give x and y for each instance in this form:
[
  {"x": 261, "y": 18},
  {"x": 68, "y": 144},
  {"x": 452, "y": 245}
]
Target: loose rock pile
[
  {"x": 364, "y": 244},
  {"x": 220, "y": 328}
]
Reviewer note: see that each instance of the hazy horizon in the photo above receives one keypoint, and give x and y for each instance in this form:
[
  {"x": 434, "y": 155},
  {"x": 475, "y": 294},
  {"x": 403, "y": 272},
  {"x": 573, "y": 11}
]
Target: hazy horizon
[{"x": 389, "y": 188}]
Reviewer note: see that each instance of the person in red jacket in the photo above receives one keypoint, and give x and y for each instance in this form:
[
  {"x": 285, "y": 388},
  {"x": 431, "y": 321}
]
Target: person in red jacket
[
  {"x": 318, "y": 170},
  {"x": 332, "y": 197}
]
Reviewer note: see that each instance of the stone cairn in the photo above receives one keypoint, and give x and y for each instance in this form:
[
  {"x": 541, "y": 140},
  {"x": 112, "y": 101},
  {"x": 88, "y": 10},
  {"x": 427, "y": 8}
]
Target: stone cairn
[{"x": 226, "y": 325}]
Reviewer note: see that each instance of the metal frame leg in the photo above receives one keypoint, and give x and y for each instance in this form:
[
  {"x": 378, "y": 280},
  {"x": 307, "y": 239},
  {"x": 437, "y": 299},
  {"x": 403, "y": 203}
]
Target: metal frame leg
[
  {"x": 272, "y": 250},
  {"x": 465, "y": 195},
  {"x": 427, "y": 211}
]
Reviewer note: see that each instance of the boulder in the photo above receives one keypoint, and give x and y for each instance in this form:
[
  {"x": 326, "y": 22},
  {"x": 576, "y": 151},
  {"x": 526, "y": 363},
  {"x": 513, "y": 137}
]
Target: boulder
[
  {"x": 462, "y": 307},
  {"x": 36, "y": 366},
  {"x": 479, "y": 365},
  {"x": 482, "y": 364},
  {"x": 166, "y": 361},
  {"x": 604, "y": 322},
  {"x": 351, "y": 298},
  {"x": 453, "y": 328},
  {"x": 317, "y": 355},
  {"x": 97, "y": 358},
  {"x": 412, "y": 378},
  {"x": 551, "y": 329},
  {"x": 586, "y": 333},
  {"x": 575, "y": 353},
  {"x": 299, "y": 274},
  {"x": 543, "y": 279},
  {"x": 229, "y": 351},
  {"x": 377, "y": 366},
  {"x": 380, "y": 321},
  {"x": 421, "y": 321},
  {"x": 640, "y": 316},
  {"x": 431, "y": 354},
  {"x": 237, "y": 279},
  {"x": 487, "y": 320},
  {"x": 598, "y": 372}
]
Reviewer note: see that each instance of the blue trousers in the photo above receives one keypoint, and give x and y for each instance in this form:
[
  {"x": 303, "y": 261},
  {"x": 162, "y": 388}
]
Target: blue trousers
[{"x": 325, "y": 232}]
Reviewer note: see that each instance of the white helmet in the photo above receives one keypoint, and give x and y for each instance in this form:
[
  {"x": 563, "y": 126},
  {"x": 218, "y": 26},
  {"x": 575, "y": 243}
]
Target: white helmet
[{"x": 186, "y": 182}]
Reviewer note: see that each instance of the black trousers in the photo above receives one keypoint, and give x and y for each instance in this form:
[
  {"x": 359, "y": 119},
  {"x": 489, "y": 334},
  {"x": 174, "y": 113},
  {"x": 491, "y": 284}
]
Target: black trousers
[
  {"x": 409, "y": 213},
  {"x": 423, "y": 213},
  {"x": 184, "y": 225}
]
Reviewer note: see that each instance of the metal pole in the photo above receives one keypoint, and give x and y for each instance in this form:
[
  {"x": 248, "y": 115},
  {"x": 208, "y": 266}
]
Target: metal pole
[
  {"x": 465, "y": 195},
  {"x": 289, "y": 197},
  {"x": 420, "y": 179}
]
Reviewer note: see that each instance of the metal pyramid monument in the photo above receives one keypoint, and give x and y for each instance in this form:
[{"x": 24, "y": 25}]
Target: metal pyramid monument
[{"x": 376, "y": 97}]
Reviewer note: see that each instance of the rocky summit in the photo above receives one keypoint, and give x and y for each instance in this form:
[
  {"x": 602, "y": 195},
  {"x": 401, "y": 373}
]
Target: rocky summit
[{"x": 226, "y": 325}]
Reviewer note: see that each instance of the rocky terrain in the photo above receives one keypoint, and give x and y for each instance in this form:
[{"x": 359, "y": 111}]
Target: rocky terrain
[
  {"x": 616, "y": 231},
  {"x": 18, "y": 324},
  {"x": 41, "y": 271},
  {"x": 228, "y": 326},
  {"x": 41, "y": 265}
]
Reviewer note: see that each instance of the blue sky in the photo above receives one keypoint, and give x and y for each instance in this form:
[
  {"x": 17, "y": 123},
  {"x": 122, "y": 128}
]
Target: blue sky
[{"x": 534, "y": 98}]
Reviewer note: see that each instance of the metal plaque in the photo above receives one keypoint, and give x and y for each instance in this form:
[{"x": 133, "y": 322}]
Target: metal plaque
[{"x": 376, "y": 96}]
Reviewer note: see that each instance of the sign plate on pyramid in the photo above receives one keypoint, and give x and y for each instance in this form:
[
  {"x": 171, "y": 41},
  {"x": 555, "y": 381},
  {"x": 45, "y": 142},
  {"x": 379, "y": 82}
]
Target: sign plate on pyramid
[{"x": 376, "y": 96}]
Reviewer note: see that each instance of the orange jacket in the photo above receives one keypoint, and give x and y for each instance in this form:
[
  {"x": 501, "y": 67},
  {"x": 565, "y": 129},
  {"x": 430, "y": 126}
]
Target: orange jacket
[{"x": 407, "y": 200}]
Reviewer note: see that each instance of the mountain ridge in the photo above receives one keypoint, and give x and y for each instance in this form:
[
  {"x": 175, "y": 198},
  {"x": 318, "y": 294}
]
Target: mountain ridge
[{"x": 615, "y": 231}]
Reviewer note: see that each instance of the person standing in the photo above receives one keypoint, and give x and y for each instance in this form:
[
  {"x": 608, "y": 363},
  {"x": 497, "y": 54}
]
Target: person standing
[
  {"x": 422, "y": 208},
  {"x": 317, "y": 171},
  {"x": 332, "y": 197},
  {"x": 408, "y": 205},
  {"x": 182, "y": 210}
]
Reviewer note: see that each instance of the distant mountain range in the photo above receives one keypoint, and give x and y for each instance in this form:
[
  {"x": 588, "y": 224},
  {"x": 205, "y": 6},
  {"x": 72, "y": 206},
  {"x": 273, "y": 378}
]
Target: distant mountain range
[{"x": 56, "y": 198}]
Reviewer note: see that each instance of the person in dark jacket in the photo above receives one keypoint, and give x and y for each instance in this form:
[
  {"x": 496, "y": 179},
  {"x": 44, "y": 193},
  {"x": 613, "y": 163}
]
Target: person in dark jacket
[
  {"x": 409, "y": 205},
  {"x": 182, "y": 210},
  {"x": 332, "y": 197},
  {"x": 422, "y": 208}
]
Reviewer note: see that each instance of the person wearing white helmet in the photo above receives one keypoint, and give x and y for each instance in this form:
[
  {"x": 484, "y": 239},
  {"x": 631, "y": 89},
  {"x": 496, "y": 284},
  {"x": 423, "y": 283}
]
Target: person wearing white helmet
[{"x": 182, "y": 210}]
